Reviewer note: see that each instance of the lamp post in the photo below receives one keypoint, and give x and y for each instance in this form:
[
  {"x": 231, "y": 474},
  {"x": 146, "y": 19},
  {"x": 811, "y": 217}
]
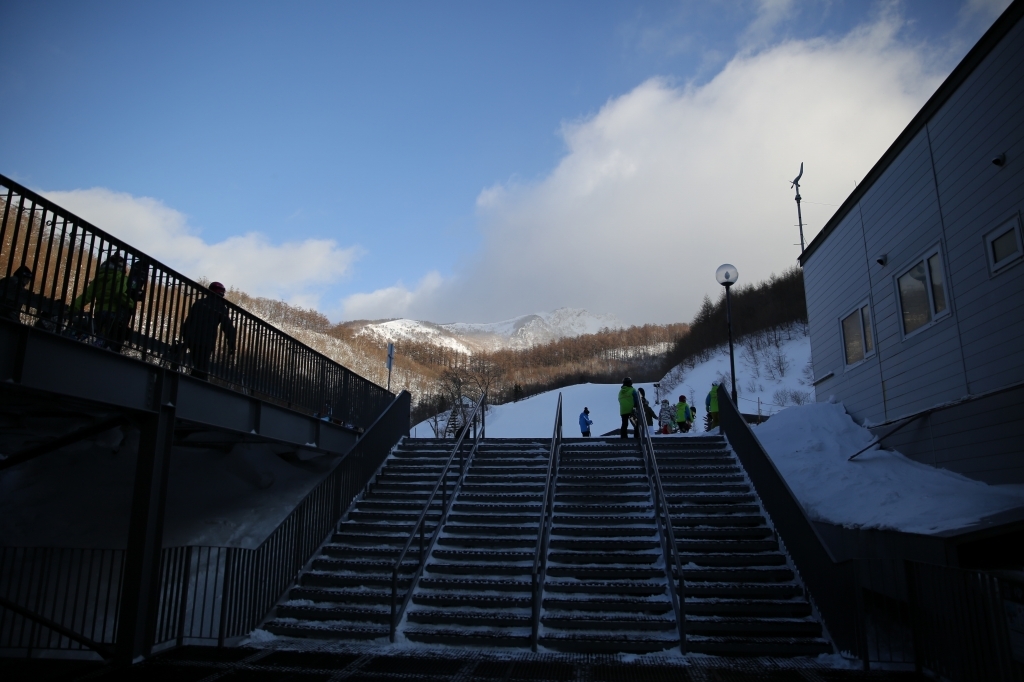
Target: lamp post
[{"x": 727, "y": 276}]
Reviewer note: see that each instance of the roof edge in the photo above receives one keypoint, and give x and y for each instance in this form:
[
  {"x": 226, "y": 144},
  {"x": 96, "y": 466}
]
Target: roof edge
[{"x": 992, "y": 37}]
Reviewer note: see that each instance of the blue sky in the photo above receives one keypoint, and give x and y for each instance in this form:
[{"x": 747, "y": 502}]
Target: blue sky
[{"x": 466, "y": 161}]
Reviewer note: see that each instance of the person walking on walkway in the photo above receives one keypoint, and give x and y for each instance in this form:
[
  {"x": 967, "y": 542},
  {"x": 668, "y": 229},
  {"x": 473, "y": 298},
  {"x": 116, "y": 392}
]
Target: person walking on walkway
[
  {"x": 199, "y": 331},
  {"x": 628, "y": 399},
  {"x": 109, "y": 302},
  {"x": 14, "y": 293},
  {"x": 647, "y": 415},
  {"x": 585, "y": 422},
  {"x": 711, "y": 405}
]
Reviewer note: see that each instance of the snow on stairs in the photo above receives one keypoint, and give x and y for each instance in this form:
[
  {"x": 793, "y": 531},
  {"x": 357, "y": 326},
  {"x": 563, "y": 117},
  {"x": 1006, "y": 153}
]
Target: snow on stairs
[
  {"x": 606, "y": 588},
  {"x": 742, "y": 596},
  {"x": 476, "y": 588},
  {"x": 346, "y": 592}
]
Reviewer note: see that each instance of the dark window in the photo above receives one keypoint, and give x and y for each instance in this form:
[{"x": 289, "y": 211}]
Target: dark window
[
  {"x": 922, "y": 293},
  {"x": 1004, "y": 245},
  {"x": 857, "y": 339}
]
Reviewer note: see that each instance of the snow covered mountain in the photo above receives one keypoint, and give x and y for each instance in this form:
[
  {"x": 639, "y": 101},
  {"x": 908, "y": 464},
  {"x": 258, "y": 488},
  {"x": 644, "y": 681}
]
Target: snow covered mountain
[{"x": 519, "y": 332}]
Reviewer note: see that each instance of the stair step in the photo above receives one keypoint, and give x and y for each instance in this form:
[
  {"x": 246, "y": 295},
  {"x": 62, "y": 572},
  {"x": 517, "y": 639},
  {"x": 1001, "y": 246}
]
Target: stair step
[
  {"x": 326, "y": 630},
  {"x": 757, "y": 646},
  {"x": 334, "y": 612}
]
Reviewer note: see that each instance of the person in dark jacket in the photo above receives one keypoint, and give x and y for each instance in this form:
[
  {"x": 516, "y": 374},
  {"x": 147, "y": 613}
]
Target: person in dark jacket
[
  {"x": 14, "y": 293},
  {"x": 628, "y": 399},
  {"x": 585, "y": 422},
  {"x": 199, "y": 331},
  {"x": 648, "y": 413}
]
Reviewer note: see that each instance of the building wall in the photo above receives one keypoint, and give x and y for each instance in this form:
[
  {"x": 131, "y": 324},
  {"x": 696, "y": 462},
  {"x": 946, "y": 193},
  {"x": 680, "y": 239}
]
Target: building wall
[{"x": 942, "y": 190}]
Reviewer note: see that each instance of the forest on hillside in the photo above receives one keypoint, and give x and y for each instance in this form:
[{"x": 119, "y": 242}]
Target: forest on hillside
[{"x": 439, "y": 377}]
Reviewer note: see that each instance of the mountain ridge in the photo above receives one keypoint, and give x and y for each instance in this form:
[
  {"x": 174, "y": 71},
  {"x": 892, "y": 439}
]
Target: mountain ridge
[{"x": 522, "y": 332}]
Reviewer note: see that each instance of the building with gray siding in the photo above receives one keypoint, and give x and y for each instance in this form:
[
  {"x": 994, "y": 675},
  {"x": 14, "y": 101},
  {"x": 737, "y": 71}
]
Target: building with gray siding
[{"x": 915, "y": 287}]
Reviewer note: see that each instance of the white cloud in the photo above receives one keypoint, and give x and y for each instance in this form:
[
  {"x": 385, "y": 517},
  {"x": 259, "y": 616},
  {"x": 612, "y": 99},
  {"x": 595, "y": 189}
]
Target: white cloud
[
  {"x": 293, "y": 271},
  {"x": 396, "y": 301},
  {"x": 667, "y": 182}
]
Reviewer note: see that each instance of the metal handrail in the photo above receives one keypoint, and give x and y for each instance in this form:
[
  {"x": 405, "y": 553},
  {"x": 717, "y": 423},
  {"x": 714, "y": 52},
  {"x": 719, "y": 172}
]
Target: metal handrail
[
  {"x": 666, "y": 534},
  {"x": 540, "y": 556},
  {"x": 426, "y": 547},
  {"x": 149, "y": 319}
]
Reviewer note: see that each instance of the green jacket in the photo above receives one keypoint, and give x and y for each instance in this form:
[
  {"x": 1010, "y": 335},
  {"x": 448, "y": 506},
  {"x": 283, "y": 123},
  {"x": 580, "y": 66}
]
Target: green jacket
[
  {"x": 108, "y": 292},
  {"x": 627, "y": 399},
  {"x": 683, "y": 413},
  {"x": 712, "y": 400}
]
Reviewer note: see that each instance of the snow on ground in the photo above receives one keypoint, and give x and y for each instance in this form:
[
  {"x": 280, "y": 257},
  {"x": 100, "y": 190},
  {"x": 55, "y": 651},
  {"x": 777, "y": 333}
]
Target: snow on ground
[
  {"x": 775, "y": 375},
  {"x": 535, "y": 416},
  {"x": 810, "y": 446}
]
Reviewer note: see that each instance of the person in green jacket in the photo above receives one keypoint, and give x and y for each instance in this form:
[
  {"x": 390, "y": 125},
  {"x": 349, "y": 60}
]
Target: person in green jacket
[
  {"x": 711, "y": 403},
  {"x": 628, "y": 399},
  {"x": 109, "y": 302},
  {"x": 684, "y": 415}
]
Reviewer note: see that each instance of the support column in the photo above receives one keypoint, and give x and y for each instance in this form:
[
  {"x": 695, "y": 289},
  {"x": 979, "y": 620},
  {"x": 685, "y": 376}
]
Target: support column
[{"x": 141, "y": 584}]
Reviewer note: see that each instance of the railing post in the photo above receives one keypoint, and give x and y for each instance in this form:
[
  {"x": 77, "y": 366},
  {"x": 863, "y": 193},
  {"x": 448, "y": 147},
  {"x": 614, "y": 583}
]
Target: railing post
[
  {"x": 183, "y": 605},
  {"x": 225, "y": 596},
  {"x": 137, "y": 617}
]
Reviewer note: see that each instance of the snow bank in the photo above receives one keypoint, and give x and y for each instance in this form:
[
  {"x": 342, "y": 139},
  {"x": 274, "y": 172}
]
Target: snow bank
[{"x": 810, "y": 446}]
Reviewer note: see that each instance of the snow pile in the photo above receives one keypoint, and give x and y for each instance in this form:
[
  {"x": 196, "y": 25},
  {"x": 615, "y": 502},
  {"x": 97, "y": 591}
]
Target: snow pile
[{"x": 810, "y": 446}]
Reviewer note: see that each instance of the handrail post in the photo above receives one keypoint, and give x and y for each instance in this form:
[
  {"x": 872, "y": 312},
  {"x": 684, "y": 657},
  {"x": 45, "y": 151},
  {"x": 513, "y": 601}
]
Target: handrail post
[{"x": 442, "y": 484}]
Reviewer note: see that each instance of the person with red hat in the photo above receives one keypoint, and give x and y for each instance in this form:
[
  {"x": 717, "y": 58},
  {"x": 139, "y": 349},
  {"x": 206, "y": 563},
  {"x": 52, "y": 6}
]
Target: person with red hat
[{"x": 199, "y": 331}]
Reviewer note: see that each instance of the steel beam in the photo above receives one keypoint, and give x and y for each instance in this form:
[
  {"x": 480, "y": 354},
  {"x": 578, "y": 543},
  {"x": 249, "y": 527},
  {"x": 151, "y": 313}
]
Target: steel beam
[{"x": 141, "y": 583}]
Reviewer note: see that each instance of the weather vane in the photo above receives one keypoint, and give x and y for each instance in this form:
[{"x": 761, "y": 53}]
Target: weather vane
[{"x": 799, "y": 217}]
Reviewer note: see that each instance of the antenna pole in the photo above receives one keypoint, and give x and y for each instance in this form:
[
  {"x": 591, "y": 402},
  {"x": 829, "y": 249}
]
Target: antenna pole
[{"x": 799, "y": 216}]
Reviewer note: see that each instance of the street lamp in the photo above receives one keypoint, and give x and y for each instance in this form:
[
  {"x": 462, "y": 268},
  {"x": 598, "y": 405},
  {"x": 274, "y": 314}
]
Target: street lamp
[{"x": 727, "y": 276}]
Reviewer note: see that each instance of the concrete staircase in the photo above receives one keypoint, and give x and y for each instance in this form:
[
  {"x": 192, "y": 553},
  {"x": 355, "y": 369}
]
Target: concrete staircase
[
  {"x": 346, "y": 592},
  {"x": 606, "y": 587},
  {"x": 476, "y": 589},
  {"x": 742, "y": 596}
]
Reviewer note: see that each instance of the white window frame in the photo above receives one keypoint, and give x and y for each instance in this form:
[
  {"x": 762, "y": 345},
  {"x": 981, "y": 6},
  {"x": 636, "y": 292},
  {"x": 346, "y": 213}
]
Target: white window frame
[
  {"x": 923, "y": 257},
  {"x": 1011, "y": 225},
  {"x": 863, "y": 336}
]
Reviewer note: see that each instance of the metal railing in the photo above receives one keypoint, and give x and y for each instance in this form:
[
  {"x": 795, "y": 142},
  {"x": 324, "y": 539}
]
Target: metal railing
[
  {"x": 68, "y": 598},
  {"x": 952, "y": 622},
  {"x": 832, "y": 585},
  {"x": 663, "y": 520},
  {"x": 540, "y": 556},
  {"x": 81, "y": 282},
  {"x": 426, "y": 546}
]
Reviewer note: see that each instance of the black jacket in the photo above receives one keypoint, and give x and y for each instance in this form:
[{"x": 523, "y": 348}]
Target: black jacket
[{"x": 200, "y": 327}]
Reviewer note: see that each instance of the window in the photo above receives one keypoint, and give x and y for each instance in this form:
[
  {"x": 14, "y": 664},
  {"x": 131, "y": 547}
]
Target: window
[
  {"x": 857, "y": 339},
  {"x": 922, "y": 293},
  {"x": 1003, "y": 245}
]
